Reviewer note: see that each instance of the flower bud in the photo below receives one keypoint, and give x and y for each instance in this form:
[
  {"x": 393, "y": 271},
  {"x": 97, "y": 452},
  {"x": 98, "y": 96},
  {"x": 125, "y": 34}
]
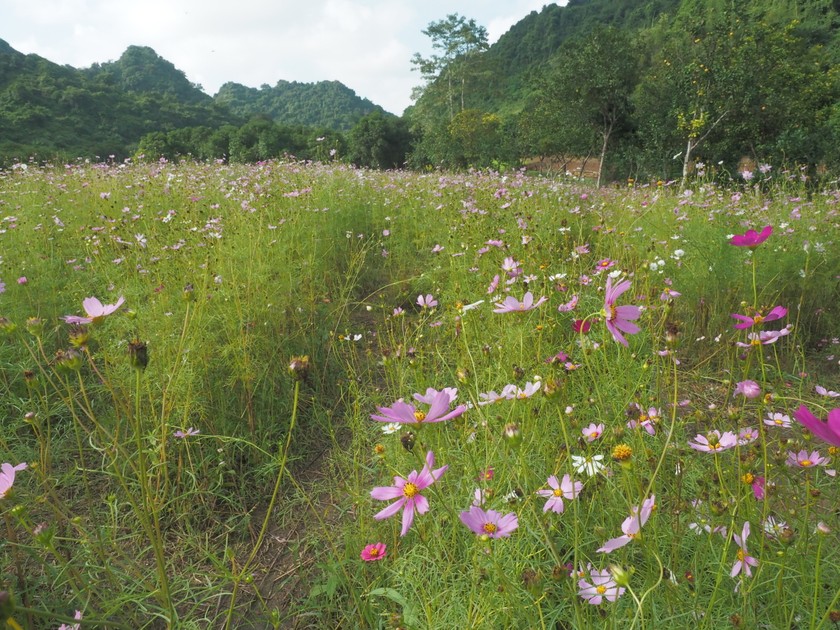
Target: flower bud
[
  {"x": 7, "y": 326},
  {"x": 407, "y": 440},
  {"x": 35, "y": 326},
  {"x": 138, "y": 354},
  {"x": 299, "y": 367},
  {"x": 620, "y": 575},
  {"x": 78, "y": 335},
  {"x": 512, "y": 434},
  {"x": 69, "y": 360}
]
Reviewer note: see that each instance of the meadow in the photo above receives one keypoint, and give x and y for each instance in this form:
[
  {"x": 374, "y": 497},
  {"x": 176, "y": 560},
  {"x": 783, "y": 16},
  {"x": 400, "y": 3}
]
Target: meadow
[{"x": 302, "y": 395}]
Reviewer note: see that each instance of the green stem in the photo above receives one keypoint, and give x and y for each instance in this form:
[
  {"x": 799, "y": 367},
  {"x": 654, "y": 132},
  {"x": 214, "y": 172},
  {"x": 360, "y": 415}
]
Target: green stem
[{"x": 282, "y": 457}]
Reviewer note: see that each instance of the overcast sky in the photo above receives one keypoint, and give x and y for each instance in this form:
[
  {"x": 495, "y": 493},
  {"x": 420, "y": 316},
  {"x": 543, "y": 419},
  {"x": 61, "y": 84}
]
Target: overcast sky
[{"x": 365, "y": 44}]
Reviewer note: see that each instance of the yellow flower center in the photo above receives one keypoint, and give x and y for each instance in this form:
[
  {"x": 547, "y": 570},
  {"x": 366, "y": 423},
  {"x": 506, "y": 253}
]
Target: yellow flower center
[
  {"x": 409, "y": 490},
  {"x": 741, "y": 554},
  {"x": 805, "y": 463},
  {"x": 601, "y": 589},
  {"x": 755, "y": 341},
  {"x": 373, "y": 552},
  {"x": 758, "y": 319},
  {"x": 558, "y": 492},
  {"x": 489, "y": 528},
  {"x": 419, "y": 416}
]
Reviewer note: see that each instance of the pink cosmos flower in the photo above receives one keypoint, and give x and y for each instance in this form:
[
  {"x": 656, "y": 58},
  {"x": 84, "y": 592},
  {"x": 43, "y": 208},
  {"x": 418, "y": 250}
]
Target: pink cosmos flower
[
  {"x": 764, "y": 337},
  {"x": 747, "y": 435},
  {"x": 750, "y": 389},
  {"x": 95, "y": 310},
  {"x": 618, "y": 318},
  {"x": 632, "y": 525},
  {"x": 182, "y": 435},
  {"x": 407, "y": 492},
  {"x": 512, "y": 305},
  {"x": 566, "y": 489},
  {"x": 669, "y": 294},
  {"x": 77, "y": 617},
  {"x": 426, "y": 301},
  {"x": 828, "y": 431},
  {"x": 804, "y": 459},
  {"x": 431, "y": 393},
  {"x": 374, "y": 552},
  {"x": 777, "y": 312},
  {"x": 713, "y": 441},
  {"x": 7, "y": 477},
  {"x": 752, "y": 238},
  {"x": 494, "y": 284},
  {"x": 777, "y": 420},
  {"x": 568, "y": 306},
  {"x": 744, "y": 561},
  {"x": 489, "y": 523},
  {"x": 603, "y": 586},
  {"x": 592, "y": 432},
  {"x": 582, "y": 326},
  {"x": 822, "y": 391},
  {"x": 405, "y": 413}
]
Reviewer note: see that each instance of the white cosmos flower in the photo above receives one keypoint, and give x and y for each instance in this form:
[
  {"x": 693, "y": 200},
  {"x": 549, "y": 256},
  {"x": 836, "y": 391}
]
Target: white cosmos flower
[{"x": 590, "y": 464}]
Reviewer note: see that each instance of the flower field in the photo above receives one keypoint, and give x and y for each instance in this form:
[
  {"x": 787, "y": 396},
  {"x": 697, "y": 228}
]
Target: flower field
[{"x": 299, "y": 395}]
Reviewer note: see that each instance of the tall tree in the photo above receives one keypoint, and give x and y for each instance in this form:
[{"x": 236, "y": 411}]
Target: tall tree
[
  {"x": 459, "y": 41},
  {"x": 587, "y": 94}
]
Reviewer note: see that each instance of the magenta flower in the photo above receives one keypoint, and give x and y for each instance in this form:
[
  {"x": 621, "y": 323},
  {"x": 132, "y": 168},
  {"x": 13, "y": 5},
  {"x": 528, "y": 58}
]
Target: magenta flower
[
  {"x": 7, "y": 477},
  {"x": 604, "y": 263},
  {"x": 73, "y": 626},
  {"x": 777, "y": 312},
  {"x": 758, "y": 488},
  {"x": 95, "y": 310},
  {"x": 566, "y": 489},
  {"x": 750, "y": 389},
  {"x": 713, "y": 441},
  {"x": 744, "y": 561},
  {"x": 618, "y": 318},
  {"x": 592, "y": 432},
  {"x": 407, "y": 492},
  {"x": 582, "y": 326},
  {"x": 804, "y": 459},
  {"x": 405, "y": 413},
  {"x": 603, "y": 586},
  {"x": 426, "y": 301},
  {"x": 374, "y": 552},
  {"x": 752, "y": 238},
  {"x": 632, "y": 525},
  {"x": 489, "y": 523},
  {"x": 828, "y": 431},
  {"x": 512, "y": 305}
]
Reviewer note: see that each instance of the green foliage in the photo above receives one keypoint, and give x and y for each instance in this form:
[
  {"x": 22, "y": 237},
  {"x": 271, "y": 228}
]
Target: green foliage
[
  {"x": 379, "y": 141},
  {"x": 326, "y": 103}
]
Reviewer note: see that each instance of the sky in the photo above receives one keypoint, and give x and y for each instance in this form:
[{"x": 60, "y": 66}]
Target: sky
[{"x": 365, "y": 44}]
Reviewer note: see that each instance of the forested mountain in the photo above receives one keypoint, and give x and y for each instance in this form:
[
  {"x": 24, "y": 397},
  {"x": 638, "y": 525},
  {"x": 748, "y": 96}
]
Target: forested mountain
[
  {"x": 48, "y": 110},
  {"x": 326, "y": 103}
]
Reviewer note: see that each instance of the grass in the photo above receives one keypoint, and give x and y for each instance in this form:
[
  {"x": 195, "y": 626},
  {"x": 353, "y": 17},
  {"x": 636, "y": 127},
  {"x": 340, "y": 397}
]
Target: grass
[{"x": 258, "y": 516}]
